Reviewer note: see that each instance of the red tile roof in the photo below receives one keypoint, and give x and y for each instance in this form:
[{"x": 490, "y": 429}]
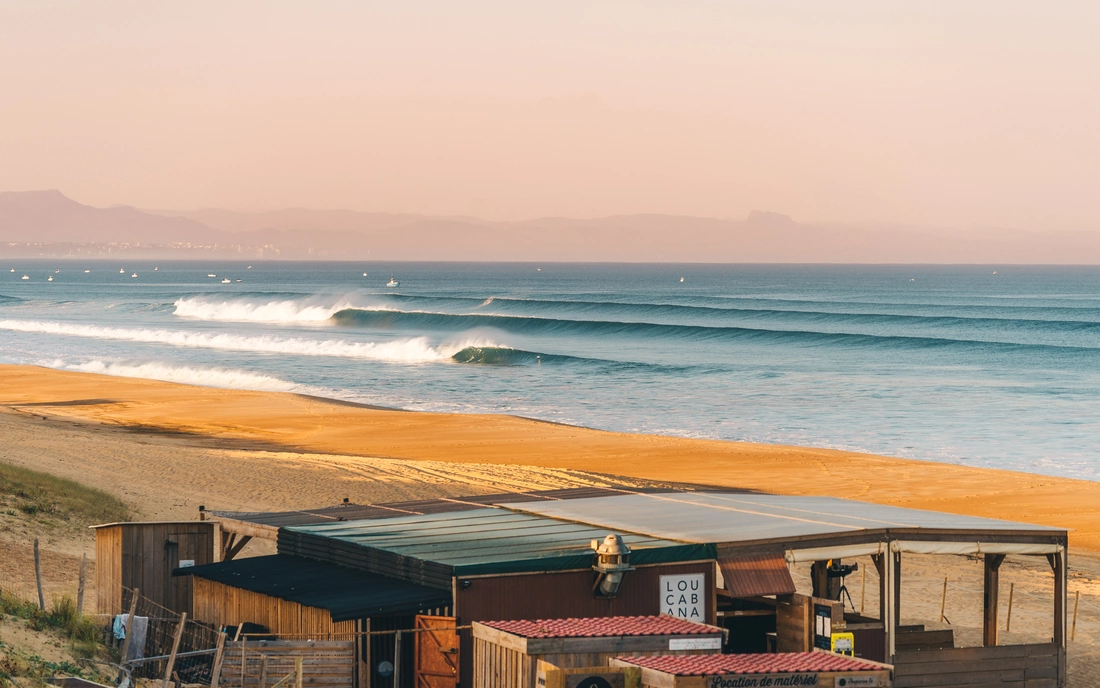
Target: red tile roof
[
  {"x": 716, "y": 665},
  {"x": 602, "y": 627}
]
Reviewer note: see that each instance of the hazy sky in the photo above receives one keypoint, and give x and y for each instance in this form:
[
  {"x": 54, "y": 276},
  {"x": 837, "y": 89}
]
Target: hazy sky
[{"x": 933, "y": 113}]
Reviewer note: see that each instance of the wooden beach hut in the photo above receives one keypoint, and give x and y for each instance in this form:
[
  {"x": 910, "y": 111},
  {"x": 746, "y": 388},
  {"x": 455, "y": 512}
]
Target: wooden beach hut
[{"x": 507, "y": 654}]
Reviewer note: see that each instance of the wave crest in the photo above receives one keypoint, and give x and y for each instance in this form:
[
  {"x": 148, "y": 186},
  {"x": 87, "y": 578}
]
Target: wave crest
[
  {"x": 411, "y": 350},
  {"x": 244, "y": 310},
  {"x": 187, "y": 375}
]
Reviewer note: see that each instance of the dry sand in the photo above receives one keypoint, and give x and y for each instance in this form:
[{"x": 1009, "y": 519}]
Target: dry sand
[
  {"x": 288, "y": 422},
  {"x": 167, "y": 448}
]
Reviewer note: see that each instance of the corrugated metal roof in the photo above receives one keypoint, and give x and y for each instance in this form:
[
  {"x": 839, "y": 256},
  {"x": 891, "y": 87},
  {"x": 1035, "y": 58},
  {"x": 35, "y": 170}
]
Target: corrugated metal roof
[
  {"x": 354, "y": 512},
  {"x": 755, "y": 575},
  {"x": 495, "y": 541},
  {"x": 782, "y": 663},
  {"x": 345, "y": 593},
  {"x": 736, "y": 518},
  {"x": 602, "y": 627}
]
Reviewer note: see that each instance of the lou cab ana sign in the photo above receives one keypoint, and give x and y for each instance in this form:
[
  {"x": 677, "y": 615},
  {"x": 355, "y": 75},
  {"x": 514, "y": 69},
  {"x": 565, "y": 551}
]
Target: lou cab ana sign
[{"x": 684, "y": 596}]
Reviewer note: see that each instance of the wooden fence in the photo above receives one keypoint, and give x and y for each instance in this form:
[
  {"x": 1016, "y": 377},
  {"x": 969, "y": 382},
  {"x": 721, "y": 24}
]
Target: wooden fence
[
  {"x": 325, "y": 663},
  {"x": 1008, "y": 666}
]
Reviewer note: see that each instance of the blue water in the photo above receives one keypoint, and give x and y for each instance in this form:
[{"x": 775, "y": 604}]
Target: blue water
[{"x": 931, "y": 362}]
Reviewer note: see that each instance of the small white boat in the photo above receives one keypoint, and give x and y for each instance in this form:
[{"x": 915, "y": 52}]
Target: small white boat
[
  {"x": 13, "y": 269},
  {"x": 155, "y": 269},
  {"x": 681, "y": 279},
  {"x": 238, "y": 279},
  {"x": 121, "y": 271},
  {"x": 57, "y": 271},
  {"x": 364, "y": 274},
  {"x": 134, "y": 275},
  {"x": 50, "y": 278},
  {"x": 211, "y": 275},
  {"x": 392, "y": 282},
  {"x": 86, "y": 272},
  {"x": 249, "y": 267},
  {"x": 225, "y": 281},
  {"x": 25, "y": 277}
]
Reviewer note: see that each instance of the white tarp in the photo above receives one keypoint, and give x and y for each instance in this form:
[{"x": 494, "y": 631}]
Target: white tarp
[
  {"x": 931, "y": 547},
  {"x": 842, "y": 552}
]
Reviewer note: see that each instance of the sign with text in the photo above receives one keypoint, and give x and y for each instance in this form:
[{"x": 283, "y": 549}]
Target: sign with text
[
  {"x": 684, "y": 596},
  {"x": 763, "y": 680},
  {"x": 714, "y": 643}
]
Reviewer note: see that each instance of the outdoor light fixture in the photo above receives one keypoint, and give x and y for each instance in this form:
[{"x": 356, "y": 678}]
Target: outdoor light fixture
[{"x": 612, "y": 561}]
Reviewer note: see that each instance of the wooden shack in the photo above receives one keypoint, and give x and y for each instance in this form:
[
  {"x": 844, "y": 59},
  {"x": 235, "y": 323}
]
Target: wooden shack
[
  {"x": 507, "y": 653},
  {"x": 754, "y": 670},
  {"x": 143, "y": 556}
]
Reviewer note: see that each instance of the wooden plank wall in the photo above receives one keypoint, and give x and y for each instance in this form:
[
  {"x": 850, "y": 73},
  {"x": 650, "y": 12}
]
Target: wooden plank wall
[
  {"x": 326, "y": 664},
  {"x": 108, "y": 570},
  {"x": 223, "y": 605},
  {"x": 496, "y": 666},
  {"x": 1008, "y": 666}
]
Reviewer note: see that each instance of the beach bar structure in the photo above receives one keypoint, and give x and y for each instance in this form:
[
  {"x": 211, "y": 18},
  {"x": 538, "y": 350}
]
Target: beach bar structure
[
  {"x": 507, "y": 654},
  {"x": 143, "y": 556},
  {"x": 516, "y": 557}
]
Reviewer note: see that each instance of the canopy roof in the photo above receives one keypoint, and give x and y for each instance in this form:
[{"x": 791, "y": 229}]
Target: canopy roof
[
  {"x": 744, "y": 518},
  {"x": 482, "y": 541}
]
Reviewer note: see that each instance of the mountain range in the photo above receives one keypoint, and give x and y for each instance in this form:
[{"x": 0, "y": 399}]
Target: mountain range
[{"x": 49, "y": 224}]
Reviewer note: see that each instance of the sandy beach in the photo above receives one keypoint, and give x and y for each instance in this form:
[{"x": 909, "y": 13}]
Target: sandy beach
[
  {"x": 166, "y": 448},
  {"x": 280, "y": 422}
]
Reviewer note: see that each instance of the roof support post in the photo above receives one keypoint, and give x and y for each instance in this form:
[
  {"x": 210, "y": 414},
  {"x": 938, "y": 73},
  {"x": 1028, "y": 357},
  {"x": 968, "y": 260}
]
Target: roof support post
[
  {"x": 888, "y": 608},
  {"x": 1058, "y": 565},
  {"x": 991, "y": 599}
]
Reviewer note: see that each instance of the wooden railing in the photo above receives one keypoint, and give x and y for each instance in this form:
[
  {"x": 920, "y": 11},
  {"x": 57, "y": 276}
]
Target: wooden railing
[{"x": 1013, "y": 666}]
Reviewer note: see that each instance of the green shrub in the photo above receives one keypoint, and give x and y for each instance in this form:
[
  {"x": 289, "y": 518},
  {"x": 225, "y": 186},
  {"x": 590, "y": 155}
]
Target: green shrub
[{"x": 44, "y": 494}]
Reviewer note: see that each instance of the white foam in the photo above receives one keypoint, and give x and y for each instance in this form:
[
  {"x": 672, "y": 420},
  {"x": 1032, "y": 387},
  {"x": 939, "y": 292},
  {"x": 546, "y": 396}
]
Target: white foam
[
  {"x": 273, "y": 311},
  {"x": 411, "y": 350},
  {"x": 188, "y": 375}
]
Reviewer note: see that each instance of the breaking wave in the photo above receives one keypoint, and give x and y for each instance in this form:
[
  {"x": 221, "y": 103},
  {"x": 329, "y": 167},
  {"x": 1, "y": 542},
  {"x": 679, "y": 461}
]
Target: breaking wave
[
  {"x": 188, "y": 375},
  {"x": 261, "y": 311},
  {"x": 412, "y": 350}
]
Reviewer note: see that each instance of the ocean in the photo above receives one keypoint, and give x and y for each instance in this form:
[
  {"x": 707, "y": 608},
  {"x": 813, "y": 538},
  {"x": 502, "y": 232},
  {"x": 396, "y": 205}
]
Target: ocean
[{"x": 973, "y": 365}]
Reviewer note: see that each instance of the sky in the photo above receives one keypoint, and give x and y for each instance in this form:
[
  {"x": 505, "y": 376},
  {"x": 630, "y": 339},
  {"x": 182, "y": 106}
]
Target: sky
[{"x": 957, "y": 114}]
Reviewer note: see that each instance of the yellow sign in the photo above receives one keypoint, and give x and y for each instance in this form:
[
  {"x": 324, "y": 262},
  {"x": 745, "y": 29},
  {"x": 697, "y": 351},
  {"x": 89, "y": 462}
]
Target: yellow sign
[{"x": 844, "y": 644}]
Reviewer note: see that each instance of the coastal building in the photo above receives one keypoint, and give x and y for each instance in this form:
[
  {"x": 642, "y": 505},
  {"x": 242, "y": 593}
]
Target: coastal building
[{"x": 720, "y": 558}]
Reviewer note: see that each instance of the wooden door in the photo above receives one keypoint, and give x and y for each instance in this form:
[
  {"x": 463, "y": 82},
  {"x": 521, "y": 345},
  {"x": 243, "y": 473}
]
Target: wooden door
[{"x": 436, "y": 656}]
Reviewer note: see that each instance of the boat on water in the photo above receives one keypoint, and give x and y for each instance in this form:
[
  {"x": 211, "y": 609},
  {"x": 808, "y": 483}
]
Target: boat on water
[
  {"x": 238, "y": 279},
  {"x": 392, "y": 282},
  {"x": 211, "y": 275},
  {"x": 364, "y": 274},
  {"x": 86, "y": 272},
  {"x": 50, "y": 278},
  {"x": 13, "y": 270},
  {"x": 225, "y": 281},
  {"x": 121, "y": 271},
  {"x": 25, "y": 277},
  {"x": 134, "y": 275}
]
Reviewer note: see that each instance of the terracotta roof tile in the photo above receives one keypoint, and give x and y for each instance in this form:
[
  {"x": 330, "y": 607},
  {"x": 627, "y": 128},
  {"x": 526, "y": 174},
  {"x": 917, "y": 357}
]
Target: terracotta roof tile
[
  {"x": 715, "y": 665},
  {"x": 602, "y": 627}
]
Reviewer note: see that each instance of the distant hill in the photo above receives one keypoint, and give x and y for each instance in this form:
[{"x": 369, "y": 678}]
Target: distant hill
[{"x": 47, "y": 223}]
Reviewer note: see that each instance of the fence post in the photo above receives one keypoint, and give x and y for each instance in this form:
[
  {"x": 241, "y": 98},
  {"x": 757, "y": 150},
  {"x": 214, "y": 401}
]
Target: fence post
[
  {"x": 1076, "y": 600},
  {"x": 298, "y": 672},
  {"x": 397, "y": 660},
  {"x": 175, "y": 647},
  {"x": 244, "y": 641},
  {"x": 943, "y": 600},
  {"x": 134, "y": 594},
  {"x": 219, "y": 654},
  {"x": 1008, "y": 621},
  {"x": 862, "y": 587},
  {"x": 80, "y": 586},
  {"x": 263, "y": 671},
  {"x": 38, "y": 576}
]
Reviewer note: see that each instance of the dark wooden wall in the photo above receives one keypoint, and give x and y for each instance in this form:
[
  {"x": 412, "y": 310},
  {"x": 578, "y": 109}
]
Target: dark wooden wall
[
  {"x": 143, "y": 556},
  {"x": 1013, "y": 666},
  {"x": 565, "y": 595}
]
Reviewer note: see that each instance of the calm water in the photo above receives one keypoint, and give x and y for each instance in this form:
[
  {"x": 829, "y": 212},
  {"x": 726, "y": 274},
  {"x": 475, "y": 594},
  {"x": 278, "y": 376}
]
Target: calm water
[{"x": 948, "y": 363}]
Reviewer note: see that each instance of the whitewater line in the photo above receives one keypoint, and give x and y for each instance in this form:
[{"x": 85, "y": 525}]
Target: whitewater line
[{"x": 412, "y": 350}]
